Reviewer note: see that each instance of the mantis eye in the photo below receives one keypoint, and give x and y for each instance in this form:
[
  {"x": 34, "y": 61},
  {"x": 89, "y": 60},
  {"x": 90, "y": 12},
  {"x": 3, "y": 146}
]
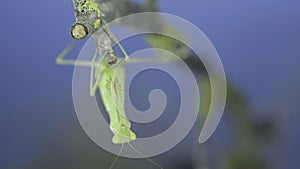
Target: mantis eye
[{"x": 79, "y": 31}]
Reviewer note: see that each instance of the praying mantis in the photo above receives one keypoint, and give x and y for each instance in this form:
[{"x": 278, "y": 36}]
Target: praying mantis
[
  {"x": 107, "y": 71},
  {"x": 107, "y": 74}
]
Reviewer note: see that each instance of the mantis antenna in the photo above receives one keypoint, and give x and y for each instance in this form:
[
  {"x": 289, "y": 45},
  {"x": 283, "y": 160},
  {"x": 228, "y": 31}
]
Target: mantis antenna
[
  {"x": 116, "y": 159},
  {"x": 142, "y": 155}
]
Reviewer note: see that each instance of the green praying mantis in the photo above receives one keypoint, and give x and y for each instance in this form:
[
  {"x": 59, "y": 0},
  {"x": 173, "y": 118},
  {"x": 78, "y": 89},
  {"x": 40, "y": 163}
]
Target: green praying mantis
[{"x": 108, "y": 74}]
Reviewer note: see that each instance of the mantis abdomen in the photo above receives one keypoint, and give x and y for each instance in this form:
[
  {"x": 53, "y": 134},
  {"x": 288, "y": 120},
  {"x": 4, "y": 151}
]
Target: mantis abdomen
[{"x": 112, "y": 93}]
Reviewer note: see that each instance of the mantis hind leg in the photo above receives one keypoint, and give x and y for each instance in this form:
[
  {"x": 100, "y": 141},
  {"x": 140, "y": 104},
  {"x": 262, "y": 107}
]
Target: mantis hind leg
[
  {"x": 60, "y": 59},
  {"x": 93, "y": 84}
]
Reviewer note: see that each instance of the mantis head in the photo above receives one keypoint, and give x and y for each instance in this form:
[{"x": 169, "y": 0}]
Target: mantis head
[{"x": 124, "y": 135}]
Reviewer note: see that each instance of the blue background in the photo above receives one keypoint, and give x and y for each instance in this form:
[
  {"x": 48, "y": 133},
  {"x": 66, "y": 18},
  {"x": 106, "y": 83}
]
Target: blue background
[{"x": 258, "y": 42}]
